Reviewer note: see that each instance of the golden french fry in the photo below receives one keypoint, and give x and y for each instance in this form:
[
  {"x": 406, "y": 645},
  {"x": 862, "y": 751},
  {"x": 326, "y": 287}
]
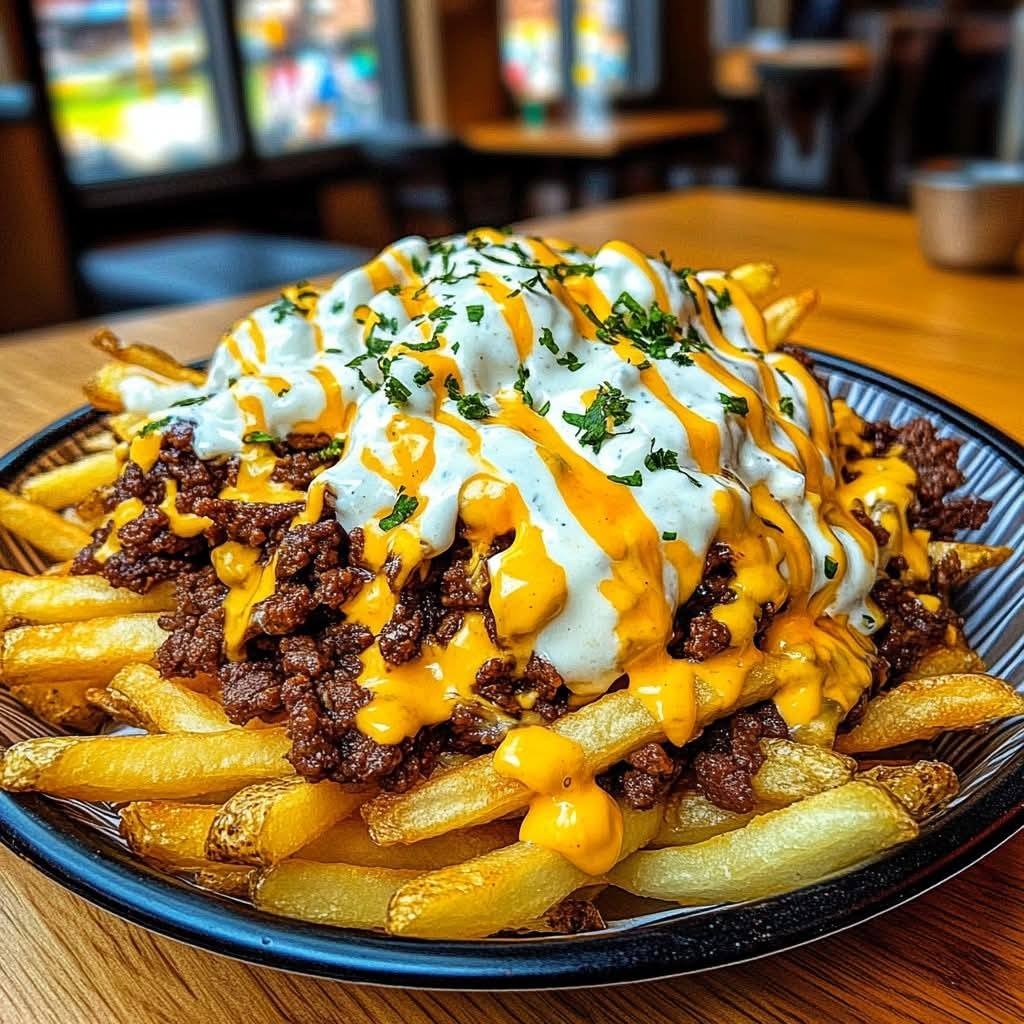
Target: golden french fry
[
  {"x": 46, "y": 599},
  {"x": 784, "y": 315},
  {"x": 168, "y": 833},
  {"x": 125, "y": 425},
  {"x": 338, "y": 894},
  {"x": 821, "y": 730},
  {"x": 776, "y": 852},
  {"x": 920, "y": 709},
  {"x": 607, "y": 730},
  {"x": 103, "y": 388},
  {"x": 91, "y": 650},
  {"x": 140, "y": 696},
  {"x": 176, "y": 766},
  {"x": 349, "y": 842},
  {"x": 226, "y": 879},
  {"x": 269, "y": 821},
  {"x": 952, "y": 659},
  {"x": 67, "y": 485},
  {"x": 148, "y": 357},
  {"x": 41, "y": 527},
  {"x": 791, "y": 772},
  {"x": 757, "y": 279},
  {"x": 64, "y": 705},
  {"x": 500, "y": 890},
  {"x": 973, "y": 558},
  {"x": 921, "y": 787}
]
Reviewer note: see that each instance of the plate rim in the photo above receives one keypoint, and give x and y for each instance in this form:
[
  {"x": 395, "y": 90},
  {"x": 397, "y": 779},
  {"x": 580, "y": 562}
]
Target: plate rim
[{"x": 93, "y": 868}]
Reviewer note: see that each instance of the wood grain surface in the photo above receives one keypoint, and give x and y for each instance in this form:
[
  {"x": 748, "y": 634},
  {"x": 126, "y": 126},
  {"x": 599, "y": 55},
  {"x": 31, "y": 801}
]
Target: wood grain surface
[{"x": 955, "y": 955}]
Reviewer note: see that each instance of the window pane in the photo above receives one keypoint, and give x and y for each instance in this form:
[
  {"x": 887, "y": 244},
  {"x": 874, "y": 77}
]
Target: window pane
[
  {"x": 531, "y": 49},
  {"x": 312, "y": 70},
  {"x": 130, "y": 85}
]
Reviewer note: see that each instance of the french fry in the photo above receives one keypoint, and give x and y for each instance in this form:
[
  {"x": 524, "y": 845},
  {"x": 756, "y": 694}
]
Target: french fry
[
  {"x": 226, "y": 879},
  {"x": 921, "y": 787},
  {"x": 125, "y": 425},
  {"x": 269, "y": 821},
  {"x": 774, "y": 853},
  {"x": 64, "y": 705},
  {"x": 791, "y": 772},
  {"x": 140, "y": 696},
  {"x": 176, "y": 766},
  {"x": 500, "y": 890},
  {"x": 41, "y": 527},
  {"x": 46, "y": 599},
  {"x": 337, "y": 894},
  {"x": 784, "y": 315},
  {"x": 920, "y": 709},
  {"x": 947, "y": 660},
  {"x": 91, "y": 650},
  {"x": 67, "y": 485},
  {"x": 973, "y": 558},
  {"x": 103, "y": 388},
  {"x": 757, "y": 279},
  {"x": 607, "y": 730},
  {"x": 147, "y": 357},
  {"x": 168, "y": 833},
  {"x": 349, "y": 842}
]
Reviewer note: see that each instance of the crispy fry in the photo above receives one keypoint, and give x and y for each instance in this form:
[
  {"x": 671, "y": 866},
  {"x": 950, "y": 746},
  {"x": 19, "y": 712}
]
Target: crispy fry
[
  {"x": 791, "y": 771},
  {"x": 973, "y": 558},
  {"x": 349, "y": 842},
  {"x": 922, "y": 708},
  {"x": 338, "y": 894},
  {"x": 500, "y": 890},
  {"x": 119, "y": 768},
  {"x": 93, "y": 650},
  {"x": 776, "y": 852},
  {"x": 168, "y": 833},
  {"x": 226, "y": 879},
  {"x": 125, "y": 425},
  {"x": 148, "y": 357},
  {"x": 269, "y": 821},
  {"x": 784, "y": 315},
  {"x": 921, "y": 787},
  {"x": 608, "y": 729},
  {"x": 45, "y": 599},
  {"x": 952, "y": 659},
  {"x": 758, "y": 280},
  {"x": 140, "y": 696},
  {"x": 43, "y": 528},
  {"x": 67, "y": 485},
  {"x": 64, "y": 705}
]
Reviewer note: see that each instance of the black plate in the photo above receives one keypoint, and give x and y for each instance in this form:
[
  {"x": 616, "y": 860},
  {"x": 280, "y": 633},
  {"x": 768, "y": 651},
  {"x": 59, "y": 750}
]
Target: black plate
[{"x": 83, "y": 861}]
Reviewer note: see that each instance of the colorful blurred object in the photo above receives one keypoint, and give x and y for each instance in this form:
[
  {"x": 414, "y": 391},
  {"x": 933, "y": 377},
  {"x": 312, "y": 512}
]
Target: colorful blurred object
[
  {"x": 531, "y": 50},
  {"x": 130, "y": 85},
  {"x": 312, "y": 71}
]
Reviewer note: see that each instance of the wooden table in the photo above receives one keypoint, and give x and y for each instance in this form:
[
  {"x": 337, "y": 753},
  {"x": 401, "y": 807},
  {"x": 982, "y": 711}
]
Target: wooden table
[
  {"x": 564, "y": 138},
  {"x": 956, "y": 954}
]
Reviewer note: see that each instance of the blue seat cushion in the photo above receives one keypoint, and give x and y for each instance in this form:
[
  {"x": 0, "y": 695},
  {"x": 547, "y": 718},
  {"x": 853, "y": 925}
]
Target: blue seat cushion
[{"x": 204, "y": 266}]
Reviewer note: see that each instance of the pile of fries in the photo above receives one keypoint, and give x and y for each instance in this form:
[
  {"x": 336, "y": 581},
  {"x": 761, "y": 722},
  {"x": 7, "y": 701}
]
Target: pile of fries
[{"x": 220, "y": 803}]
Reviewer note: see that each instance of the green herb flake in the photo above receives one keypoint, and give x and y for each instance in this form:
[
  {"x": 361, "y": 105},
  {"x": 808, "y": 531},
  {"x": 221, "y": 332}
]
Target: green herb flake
[
  {"x": 831, "y": 567},
  {"x": 422, "y": 346},
  {"x": 571, "y": 362},
  {"x": 190, "y": 401},
  {"x": 663, "y": 458},
  {"x": 332, "y": 450},
  {"x": 547, "y": 339},
  {"x": 734, "y": 403},
  {"x": 259, "y": 437},
  {"x": 669, "y": 535},
  {"x": 609, "y": 406},
  {"x": 475, "y": 314},
  {"x": 397, "y": 392},
  {"x": 634, "y": 479},
  {"x": 472, "y": 407},
  {"x": 338, "y": 306},
  {"x": 154, "y": 425},
  {"x": 423, "y": 375},
  {"x": 723, "y": 301},
  {"x": 786, "y": 406},
  {"x": 405, "y": 506},
  {"x": 282, "y": 308}
]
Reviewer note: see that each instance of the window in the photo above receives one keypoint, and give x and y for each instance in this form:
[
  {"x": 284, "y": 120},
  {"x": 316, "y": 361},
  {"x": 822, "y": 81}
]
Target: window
[
  {"x": 130, "y": 86},
  {"x": 312, "y": 71}
]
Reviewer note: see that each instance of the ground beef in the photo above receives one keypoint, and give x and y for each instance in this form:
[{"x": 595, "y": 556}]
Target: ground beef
[
  {"x": 911, "y": 630},
  {"x": 646, "y": 775},
  {"x": 880, "y": 533},
  {"x": 247, "y": 522},
  {"x": 696, "y": 635},
  {"x": 539, "y": 689},
  {"x": 934, "y": 460},
  {"x": 728, "y": 755},
  {"x": 300, "y": 457},
  {"x": 196, "y": 626}
]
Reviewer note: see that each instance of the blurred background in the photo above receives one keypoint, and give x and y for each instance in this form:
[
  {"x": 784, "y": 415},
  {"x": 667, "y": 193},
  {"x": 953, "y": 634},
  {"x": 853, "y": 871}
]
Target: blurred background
[{"x": 156, "y": 152}]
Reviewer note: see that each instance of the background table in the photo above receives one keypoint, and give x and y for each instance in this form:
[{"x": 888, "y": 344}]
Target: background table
[{"x": 956, "y": 954}]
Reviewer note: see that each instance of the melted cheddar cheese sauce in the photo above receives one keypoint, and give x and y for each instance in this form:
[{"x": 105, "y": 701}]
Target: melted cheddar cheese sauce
[{"x": 613, "y": 418}]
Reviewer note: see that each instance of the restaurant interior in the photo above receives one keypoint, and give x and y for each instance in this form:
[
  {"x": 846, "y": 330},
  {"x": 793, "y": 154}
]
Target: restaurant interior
[{"x": 163, "y": 152}]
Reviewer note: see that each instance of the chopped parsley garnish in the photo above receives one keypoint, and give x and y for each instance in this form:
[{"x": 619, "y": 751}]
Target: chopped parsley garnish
[
  {"x": 786, "y": 406},
  {"x": 333, "y": 351},
  {"x": 663, "y": 458},
  {"x": 571, "y": 362},
  {"x": 475, "y": 314},
  {"x": 734, "y": 403},
  {"x": 419, "y": 267},
  {"x": 332, "y": 450},
  {"x": 387, "y": 323},
  {"x": 723, "y": 301},
  {"x": 472, "y": 407},
  {"x": 867, "y": 621},
  {"x": 669, "y": 535},
  {"x": 831, "y": 567},
  {"x": 284, "y": 391},
  {"x": 522, "y": 376},
  {"x": 609, "y": 405},
  {"x": 153, "y": 426},
  {"x": 633, "y": 480},
  {"x": 455, "y": 348},
  {"x": 422, "y": 346},
  {"x": 395, "y": 289},
  {"x": 259, "y": 437},
  {"x": 338, "y": 306},
  {"x": 547, "y": 339},
  {"x": 397, "y": 392},
  {"x": 422, "y": 375},
  {"x": 452, "y": 387},
  {"x": 441, "y": 313},
  {"x": 190, "y": 401},
  {"x": 405, "y": 505},
  {"x": 282, "y": 308},
  {"x": 544, "y": 409},
  {"x": 654, "y": 332}
]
